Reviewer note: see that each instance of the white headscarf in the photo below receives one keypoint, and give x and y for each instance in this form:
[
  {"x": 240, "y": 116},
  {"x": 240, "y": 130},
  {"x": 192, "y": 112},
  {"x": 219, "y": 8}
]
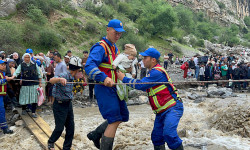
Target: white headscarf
[
  {"x": 15, "y": 53},
  {"x": 30, "y": 58}
]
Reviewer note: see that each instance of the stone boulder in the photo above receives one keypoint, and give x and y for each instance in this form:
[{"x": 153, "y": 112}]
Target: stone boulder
[
  {"x": 8, "y": 7},
  {"x": 219, "y": 92},
  {"x": 197, "y": 98}
]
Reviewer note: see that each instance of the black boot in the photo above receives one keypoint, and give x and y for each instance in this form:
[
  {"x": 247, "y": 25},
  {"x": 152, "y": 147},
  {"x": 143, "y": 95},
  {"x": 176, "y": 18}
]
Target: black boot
[
  {"x": 180, "y": 147},
  {"x": 7, "y": 131},
  {"x": 160, "y": 147},
  {"x": 96, "y": 135},
  {"x": 106, "y": 143}
]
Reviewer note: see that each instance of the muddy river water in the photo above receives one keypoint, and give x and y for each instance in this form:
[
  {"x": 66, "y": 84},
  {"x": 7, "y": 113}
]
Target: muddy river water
[{"x": 215, "y": 124}]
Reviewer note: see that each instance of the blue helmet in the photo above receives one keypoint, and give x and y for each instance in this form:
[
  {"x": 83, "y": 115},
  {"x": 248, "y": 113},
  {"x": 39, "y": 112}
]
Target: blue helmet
[
  {"x": 29, "y": 51},
  {"x": 38, "y": 62}
]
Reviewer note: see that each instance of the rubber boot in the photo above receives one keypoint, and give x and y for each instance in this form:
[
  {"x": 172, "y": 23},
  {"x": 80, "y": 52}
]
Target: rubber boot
[
  {"x": 180, "y": 147},
  {"x": 160, "y": 147},
  {"x": 7, "y": 131},
  {"x": 96, "y": 135},
  {"x": 106, "y": 143}
]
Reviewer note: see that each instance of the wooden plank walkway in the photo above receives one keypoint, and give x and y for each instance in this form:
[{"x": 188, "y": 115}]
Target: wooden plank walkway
[{"x": 40, "y": 129}]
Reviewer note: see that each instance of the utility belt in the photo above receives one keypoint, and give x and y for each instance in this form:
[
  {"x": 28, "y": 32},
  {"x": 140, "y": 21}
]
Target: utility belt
[{"x": 63, "y": 101}]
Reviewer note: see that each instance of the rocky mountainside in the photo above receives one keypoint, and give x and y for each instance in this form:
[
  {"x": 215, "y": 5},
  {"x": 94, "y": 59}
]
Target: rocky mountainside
[{"x": 221, "y": 11}]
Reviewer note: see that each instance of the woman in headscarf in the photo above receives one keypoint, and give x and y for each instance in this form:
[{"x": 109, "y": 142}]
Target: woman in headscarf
[{"x": 28, "y": 93}]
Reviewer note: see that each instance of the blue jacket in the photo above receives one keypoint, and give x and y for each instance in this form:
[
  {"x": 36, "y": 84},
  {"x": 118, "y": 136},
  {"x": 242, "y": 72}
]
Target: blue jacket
[
  {"x": 96, "y": 57},
  {"x": 152, "y": 76}
]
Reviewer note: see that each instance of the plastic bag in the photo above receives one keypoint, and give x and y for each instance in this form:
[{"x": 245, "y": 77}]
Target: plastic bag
[
  {"x": 183, "y": 67},
  {"x": 40, "y": 96}
]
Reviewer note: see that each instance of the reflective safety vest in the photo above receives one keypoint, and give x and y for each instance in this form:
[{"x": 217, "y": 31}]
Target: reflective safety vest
[
  {"x": 3, "y": 87},
  {"x": 107, "y": 67},
  {"x": 162, "y": 97}
]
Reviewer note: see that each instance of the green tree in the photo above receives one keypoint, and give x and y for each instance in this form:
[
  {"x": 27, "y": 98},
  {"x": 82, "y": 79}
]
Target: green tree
[
  {"x": 49, "y": 39},
  {"x": 247, "y": 21},
  {"x": 185, "y": 18},
  {"x": 157, "y": 18},
  {"x": 204, "y": 31}
]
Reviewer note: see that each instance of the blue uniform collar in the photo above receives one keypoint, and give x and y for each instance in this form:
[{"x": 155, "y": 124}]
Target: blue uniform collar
[{"x": 107, "y": 41}]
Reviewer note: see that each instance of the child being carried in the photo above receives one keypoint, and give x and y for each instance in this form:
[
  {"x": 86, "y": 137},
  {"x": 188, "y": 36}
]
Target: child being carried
[{"x": 124, "y": 62}]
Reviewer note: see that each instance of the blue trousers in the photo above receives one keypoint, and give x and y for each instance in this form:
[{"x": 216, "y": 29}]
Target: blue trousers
[
  {"x": 110, "y": 106},
  {"x": 3, "y": 123},
  {"x": 165, "y": 127},
  {"x": 197, "y": 70}
]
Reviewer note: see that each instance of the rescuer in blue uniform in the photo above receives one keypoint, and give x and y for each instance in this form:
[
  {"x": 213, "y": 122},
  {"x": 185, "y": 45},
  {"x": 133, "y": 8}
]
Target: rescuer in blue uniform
[
  {"x": 99, "y": 68},
  {"x": 164, "y": 100}
]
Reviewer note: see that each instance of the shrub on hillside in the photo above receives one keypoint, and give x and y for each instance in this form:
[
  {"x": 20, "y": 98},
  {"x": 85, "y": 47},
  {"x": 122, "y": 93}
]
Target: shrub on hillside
[
  {"x": 49, "y": 39},
  {"x": 176, "y": 49},
  {"x": 91, "y": 27},
  {"x": 132, "y": 38},
  {"x": 247, "y": 36},
  {"x": 70, "y": 22},
  {"x": 221, "y": 5},
  {"x": 193, "y": 41},
  {"x": 36, "y": 15},
  {"x": 233, "y": 41},
  {"x": 31, "y": 33},
  {"x": 9, "y": 37},
  {"x": 200, "y": 43},
  {"x": 107, "y": 12},
  {"x": 89, "y": 6},
  {"x": 45, "y": 5},
  {"x": 247, "y": 21}
]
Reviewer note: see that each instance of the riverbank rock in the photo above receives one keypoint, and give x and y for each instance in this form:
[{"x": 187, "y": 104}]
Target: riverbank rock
[{"x": 219, "y": 92}]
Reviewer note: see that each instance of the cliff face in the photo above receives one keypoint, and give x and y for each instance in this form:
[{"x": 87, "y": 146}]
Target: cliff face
[{"x": 221, "y": 11}]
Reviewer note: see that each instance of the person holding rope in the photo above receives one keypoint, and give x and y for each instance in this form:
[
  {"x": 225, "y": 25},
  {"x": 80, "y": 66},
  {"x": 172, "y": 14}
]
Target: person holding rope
[
  {"x": 164, "y": 100},
  {"x": 99, "y": 68},
  {"x": 62, "y": 106},
  {"x": 28, "y": 93},
  {"x": 3, "y": 92}
]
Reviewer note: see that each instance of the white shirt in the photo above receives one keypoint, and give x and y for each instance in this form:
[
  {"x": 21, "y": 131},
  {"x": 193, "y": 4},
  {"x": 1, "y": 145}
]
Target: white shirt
[
  {"x": 202, "y": 71},
  {"x": 195, "y": 61},
  {"x": 166, "y": 57}
]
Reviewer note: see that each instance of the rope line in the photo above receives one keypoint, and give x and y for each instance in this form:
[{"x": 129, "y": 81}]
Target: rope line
[{"x": 175, "y": 83}]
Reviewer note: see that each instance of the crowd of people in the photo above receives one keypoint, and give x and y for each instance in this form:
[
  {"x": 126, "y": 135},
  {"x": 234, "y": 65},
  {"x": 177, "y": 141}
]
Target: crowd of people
[{"x": 213, "y": 67}]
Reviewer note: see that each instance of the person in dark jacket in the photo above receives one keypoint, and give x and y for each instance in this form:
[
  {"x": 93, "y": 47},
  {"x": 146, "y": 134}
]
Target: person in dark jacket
[
  {"x": 243, "y": 73},
  {"x": 208, "y": 73},
  {"x": 236, "y": 76}
]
